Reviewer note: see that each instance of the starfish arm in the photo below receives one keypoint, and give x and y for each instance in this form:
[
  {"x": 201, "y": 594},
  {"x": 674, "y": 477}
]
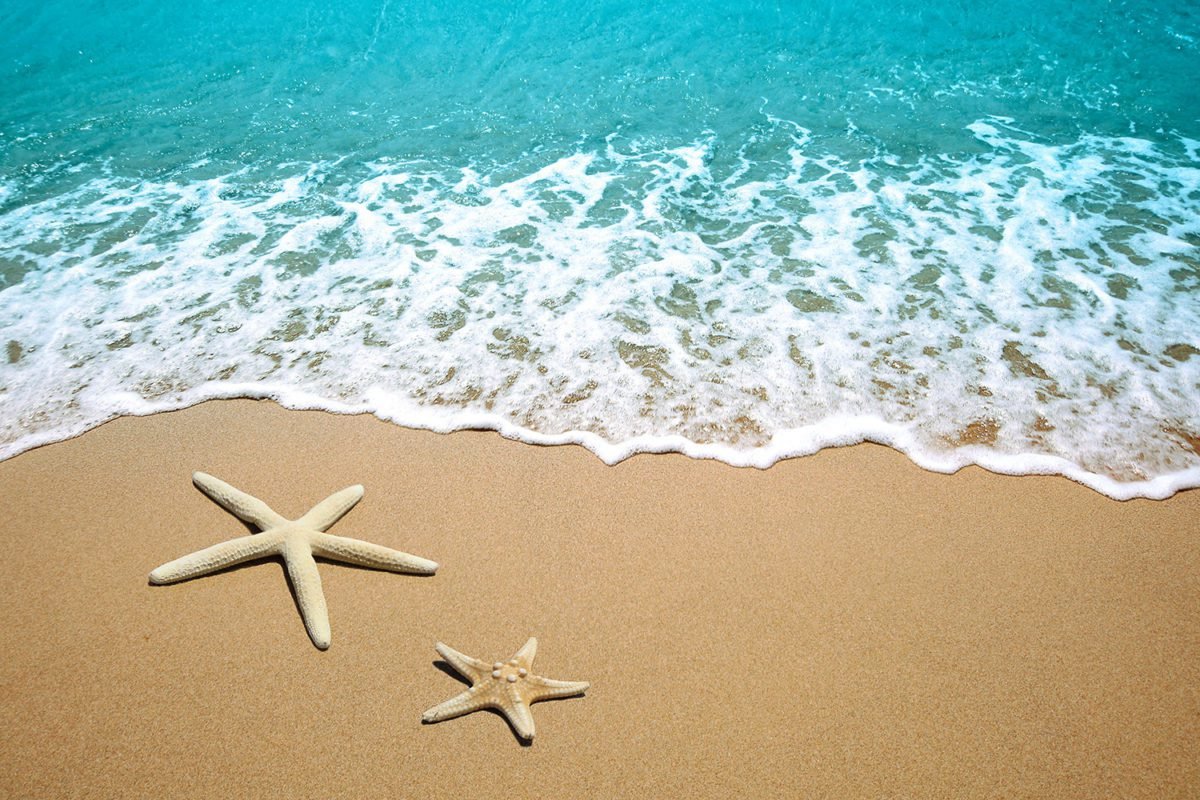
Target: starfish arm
[
  {"x": 306, "y": 583},
  {"x": 365, "y": 554},
  {"x": 539, "y": 688},
  {"x": 519, "y": 716},
  {"x": 332, "y": 508},
  {"x": 211, "y": 559},
  {"x": 527, "y": 652},
  {"x": 468, "y": 667},
  {"x": 456, "y": 706},
  {"x": 237, "y": 502}
]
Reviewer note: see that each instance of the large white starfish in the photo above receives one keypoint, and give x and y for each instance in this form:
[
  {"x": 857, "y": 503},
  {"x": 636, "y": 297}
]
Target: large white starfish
[
  {"x": 508, "y": 687},
  {"x": 297, "y": 541}
]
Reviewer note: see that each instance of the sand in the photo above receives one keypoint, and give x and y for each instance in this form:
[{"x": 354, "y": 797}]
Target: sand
[{"x": 845, "y": 625}]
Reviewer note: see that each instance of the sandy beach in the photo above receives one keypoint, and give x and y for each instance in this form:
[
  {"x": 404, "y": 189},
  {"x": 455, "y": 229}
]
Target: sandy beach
[{"x": 845, "y": 625}]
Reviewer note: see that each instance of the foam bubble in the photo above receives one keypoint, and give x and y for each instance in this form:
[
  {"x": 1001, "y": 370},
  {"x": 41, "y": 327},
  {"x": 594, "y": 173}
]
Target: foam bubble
[{"x": 1029, "y": 308}]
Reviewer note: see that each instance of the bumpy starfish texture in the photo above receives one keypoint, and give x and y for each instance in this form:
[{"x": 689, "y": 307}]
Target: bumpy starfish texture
[
  {"x": 297, "y": 541},
  {"x": 508, "y": 687}
]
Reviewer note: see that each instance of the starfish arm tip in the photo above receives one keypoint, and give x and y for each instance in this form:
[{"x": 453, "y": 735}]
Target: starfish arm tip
[
  {"x": 310, "y": 598},
  {"x": 456, "y": 706},
  {"x": 446, "y": 651},
  {"x": 207, "y": 483},
  {"x": 171, "y": 572},
  {"x": 462, "y": 663},
  {"x": 213, "y": 558},
  {"x": 528, "y": 650},
  {"x": 414, "y": 565},
  {"x": 318, "y": 630},
  {"x": 521, "y": 719},
  {"x": 368, "y": 554},
  {"x": 244, "y": 506},
  {"x": 324, "y": 514}
]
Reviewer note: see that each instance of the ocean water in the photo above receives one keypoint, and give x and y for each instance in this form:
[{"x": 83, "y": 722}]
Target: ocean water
[{"x": 739, "y": 230}]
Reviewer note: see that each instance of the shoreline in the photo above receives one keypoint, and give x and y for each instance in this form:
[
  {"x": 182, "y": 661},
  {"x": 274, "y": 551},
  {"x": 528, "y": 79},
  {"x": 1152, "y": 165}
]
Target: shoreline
[
  {"x": 845, "y": 624},
  {"x": 793, "y": 443}
]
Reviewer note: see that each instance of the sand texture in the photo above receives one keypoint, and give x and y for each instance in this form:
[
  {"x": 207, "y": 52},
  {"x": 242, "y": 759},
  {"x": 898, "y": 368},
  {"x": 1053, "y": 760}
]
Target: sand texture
[{"x": 844, "y": 626}]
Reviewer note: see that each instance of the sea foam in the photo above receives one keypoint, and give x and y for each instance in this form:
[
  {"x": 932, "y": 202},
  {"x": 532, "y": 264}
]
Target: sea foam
[{"x": 1029, "y": 307}]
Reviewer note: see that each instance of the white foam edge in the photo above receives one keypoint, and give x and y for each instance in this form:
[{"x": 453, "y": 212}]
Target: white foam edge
[{"x": 837, "y": 431}]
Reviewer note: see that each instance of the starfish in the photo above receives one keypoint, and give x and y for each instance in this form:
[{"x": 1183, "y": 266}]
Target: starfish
[
  {"x": 508, "y": 687},
  {"x": 297, "y": 541}
]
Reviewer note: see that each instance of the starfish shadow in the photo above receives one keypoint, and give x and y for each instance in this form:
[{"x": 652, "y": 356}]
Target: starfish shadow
[{"x": 444, "y": 666}]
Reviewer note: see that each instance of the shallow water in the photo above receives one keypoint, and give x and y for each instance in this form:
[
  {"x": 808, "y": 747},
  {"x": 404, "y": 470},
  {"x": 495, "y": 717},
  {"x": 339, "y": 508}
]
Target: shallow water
[{"x": 743, "y": 231}]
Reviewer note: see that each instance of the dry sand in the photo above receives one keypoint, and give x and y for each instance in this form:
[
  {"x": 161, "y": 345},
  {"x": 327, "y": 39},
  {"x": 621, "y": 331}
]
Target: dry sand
[{"x": 845, "y": 625}]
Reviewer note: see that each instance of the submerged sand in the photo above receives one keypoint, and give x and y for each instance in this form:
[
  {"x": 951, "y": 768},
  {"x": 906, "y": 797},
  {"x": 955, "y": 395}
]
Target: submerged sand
[{"x": 844, "y": 625}]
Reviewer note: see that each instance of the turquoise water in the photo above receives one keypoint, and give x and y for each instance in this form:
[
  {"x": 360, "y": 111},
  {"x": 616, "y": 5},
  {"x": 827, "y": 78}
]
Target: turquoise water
[{"x": 738, "y": 230}]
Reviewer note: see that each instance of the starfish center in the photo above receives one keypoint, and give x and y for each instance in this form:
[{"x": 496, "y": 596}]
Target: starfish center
[{"x": 510, "y": 672}]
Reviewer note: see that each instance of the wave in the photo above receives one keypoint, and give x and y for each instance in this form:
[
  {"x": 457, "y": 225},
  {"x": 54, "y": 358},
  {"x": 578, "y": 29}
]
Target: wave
[{"x": 1028, "y": 307}]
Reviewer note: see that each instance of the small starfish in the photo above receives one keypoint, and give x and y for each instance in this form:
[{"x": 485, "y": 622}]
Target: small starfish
[
  {"x": 297, "y": 541},
  {"x": 507, "y": 687}
]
